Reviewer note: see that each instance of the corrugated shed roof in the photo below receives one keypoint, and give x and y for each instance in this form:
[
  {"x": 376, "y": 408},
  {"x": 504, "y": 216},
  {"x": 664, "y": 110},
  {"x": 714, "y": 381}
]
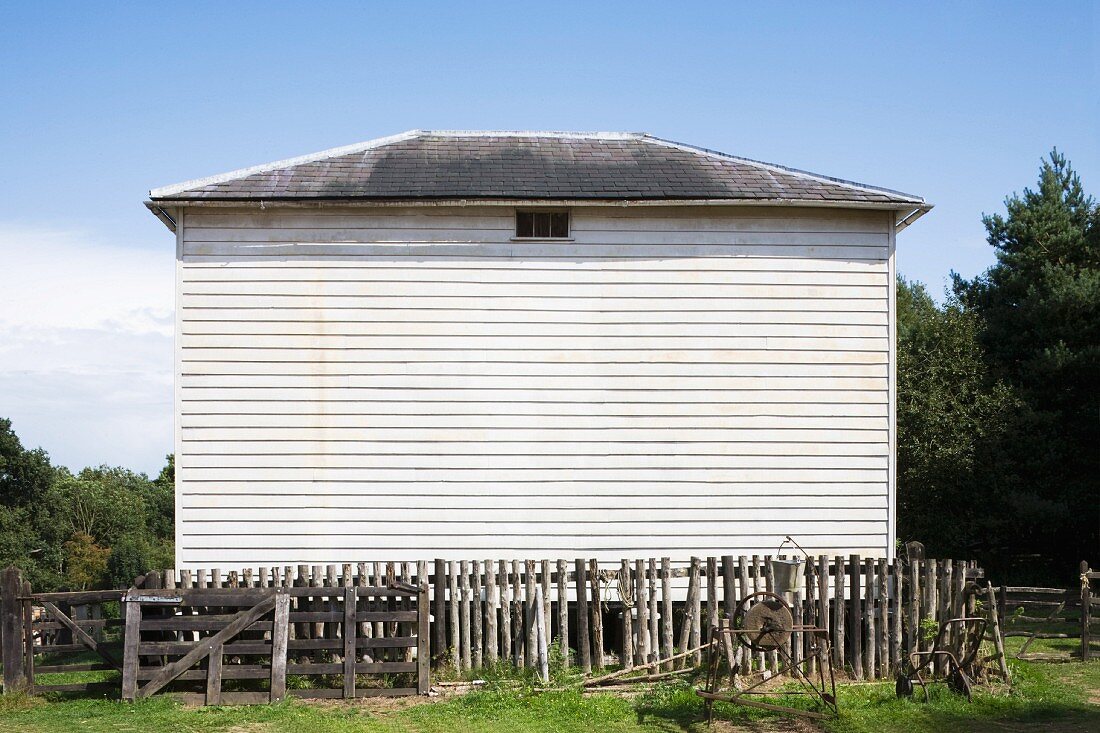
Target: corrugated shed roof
[{"x": 439, "y": 165}]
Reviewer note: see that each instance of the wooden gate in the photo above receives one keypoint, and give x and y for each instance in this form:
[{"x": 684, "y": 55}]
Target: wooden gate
[{"x": 251, "y": 640}]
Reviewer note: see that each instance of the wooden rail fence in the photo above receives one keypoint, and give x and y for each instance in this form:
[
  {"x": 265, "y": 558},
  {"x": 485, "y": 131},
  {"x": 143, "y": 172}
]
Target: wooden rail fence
[
  {"x": 1052, "y": 613},
  {"x": 628, "y": 613}
]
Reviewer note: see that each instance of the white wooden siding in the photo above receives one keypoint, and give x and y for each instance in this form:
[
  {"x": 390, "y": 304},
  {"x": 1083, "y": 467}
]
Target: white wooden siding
[{"x": 408, "y": 384}]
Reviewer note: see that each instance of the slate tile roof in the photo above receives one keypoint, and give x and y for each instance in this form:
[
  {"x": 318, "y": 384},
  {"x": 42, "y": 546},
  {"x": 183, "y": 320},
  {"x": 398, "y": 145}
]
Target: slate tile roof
[{"x": 525, "y": 165}]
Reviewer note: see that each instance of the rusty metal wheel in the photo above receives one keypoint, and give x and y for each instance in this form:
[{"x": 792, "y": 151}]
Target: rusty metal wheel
[{"x": 763, "y": 621}]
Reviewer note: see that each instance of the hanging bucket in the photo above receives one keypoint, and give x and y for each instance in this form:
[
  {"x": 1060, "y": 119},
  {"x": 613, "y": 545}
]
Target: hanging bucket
[{"x": 786, "y": 575}]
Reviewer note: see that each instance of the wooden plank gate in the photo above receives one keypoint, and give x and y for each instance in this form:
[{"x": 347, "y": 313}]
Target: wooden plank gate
[
  {"x": 242, "y": 644},
  {"x": 215, "y": 645}
]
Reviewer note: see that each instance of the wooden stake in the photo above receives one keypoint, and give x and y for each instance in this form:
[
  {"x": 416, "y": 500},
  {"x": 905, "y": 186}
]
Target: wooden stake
[
  {"x": 582, "y": 616},
  {"x": 476, "y": 614},
  {"x": 597, "y": 613},
  {"x": 666, "y": 612},
  {"x": 492, "y": 603},
  {"x": 529, "y": 612},
  {"x": 563, "y": 612},
  {"x": 641, "y": 601},
  {"x": 626, "y": 588},
  {"x": 505, "y": 613}
]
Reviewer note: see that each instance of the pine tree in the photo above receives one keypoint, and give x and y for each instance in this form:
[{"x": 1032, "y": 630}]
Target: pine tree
[{"x": 1039, "y": 307}]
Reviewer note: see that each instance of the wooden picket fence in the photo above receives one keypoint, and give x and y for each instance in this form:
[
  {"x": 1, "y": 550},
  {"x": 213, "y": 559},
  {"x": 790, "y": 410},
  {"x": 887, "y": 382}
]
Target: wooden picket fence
[{"x": 632, "y": 612}]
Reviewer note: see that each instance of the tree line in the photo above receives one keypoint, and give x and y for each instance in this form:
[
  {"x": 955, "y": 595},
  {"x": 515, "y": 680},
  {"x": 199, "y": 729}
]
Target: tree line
[
  {"x": 999, "y": 393},
  {"x": 998, "y": 411},
  {"x": 100, "y": 527}
]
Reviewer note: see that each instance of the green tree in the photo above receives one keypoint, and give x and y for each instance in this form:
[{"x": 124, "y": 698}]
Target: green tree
[
  {"x": 952, "y": 426},
  {"x": 25, "y": 475},
  {"x": 1039, "y": 308}
]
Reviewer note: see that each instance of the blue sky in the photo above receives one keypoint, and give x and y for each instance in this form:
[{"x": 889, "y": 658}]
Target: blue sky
[{"x": 956, "y": 102}]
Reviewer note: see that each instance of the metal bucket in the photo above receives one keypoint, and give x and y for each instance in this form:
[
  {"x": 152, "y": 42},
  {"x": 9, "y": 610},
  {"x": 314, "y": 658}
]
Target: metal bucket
[{"x": 786, "y": 575}]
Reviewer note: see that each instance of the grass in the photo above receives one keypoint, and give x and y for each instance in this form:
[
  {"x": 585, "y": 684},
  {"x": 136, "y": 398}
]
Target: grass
[{"x": 1045, "y": 696}]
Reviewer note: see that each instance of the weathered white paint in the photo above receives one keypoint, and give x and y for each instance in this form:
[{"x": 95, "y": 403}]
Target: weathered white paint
[{"x": 405, "y": 383}]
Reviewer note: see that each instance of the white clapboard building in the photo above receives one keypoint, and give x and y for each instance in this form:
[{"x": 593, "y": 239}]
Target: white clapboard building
[{"x": 531, "y": 344}]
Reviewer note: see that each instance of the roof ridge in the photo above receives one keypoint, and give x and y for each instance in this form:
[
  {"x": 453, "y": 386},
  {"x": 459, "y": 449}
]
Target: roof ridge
[
  {"x": 779, "y": 168},
  {"x": 174, "y": 188}
]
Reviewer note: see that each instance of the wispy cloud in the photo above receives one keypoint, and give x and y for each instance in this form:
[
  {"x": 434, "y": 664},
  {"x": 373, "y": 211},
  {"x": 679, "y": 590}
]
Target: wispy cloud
[{"x": 86, "y": 346}]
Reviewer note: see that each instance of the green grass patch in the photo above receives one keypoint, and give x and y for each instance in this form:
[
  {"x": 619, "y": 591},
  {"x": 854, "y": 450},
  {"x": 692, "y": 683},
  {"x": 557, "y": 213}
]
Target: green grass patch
[{"x": 1045, "y": 697}]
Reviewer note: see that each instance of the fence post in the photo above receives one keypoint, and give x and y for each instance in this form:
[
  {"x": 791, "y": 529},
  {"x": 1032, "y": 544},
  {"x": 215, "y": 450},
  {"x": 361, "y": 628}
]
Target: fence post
[
  {"x": 1086, "y": 608},
  {"x": 582, "y": 617},
  {"x": 439, "y": 620},
  {"x": 11, "y": 630},
  {"x": 131, "y": 641},
  {"x": 423, "y": 681},
  {"x": 855, "y": 616}
]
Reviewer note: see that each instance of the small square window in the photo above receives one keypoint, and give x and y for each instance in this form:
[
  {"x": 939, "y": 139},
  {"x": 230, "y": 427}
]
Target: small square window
[{"x": 542, "y": 224}]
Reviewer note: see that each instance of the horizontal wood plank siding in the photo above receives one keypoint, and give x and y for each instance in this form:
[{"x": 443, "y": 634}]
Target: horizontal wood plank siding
[{"x": 406, "y": 384}]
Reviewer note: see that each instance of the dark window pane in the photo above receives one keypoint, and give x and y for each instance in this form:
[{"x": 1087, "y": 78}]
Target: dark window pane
[
  {"x": 525, "y": 224},
  {"x": 542, "y": 224},
  {"x": 559, "y": 224}
]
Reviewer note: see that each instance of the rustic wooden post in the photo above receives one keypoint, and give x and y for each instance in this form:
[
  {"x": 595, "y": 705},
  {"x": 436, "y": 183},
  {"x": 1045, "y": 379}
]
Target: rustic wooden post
[
  {"x": 870, "y": 657},
  {"x": 280, "y": 632},
  {"x": 214, "y": 675},
  {"x": 913, "y": 616},
  {"x": 11, "y": 630},
  {"x": 518, "y": 615},
  {"x": 998, "y": 633},
  {"x": 530, "y": 584},
  {"x": 582, "y": 616},
  {"x": 540, "y": 635},
  {"x": 452, "y": 612},
  {"x": 464, "y": 614},
  {"x": 840, "y": 606},
  {"x": 696, "y": 613},
  {"x": 563, "y": 611},
  {"x": 131, "y": 642},
  {"x": 712, "y": 595},
  {"x": 476, "y": 614},
  {"x": 423, "y": 623},
  {"x": 666, "y": 612},
  {"x": 654, "y": 612},
  {"x": 684, "y": 637},
  {"x": 855, "y": 615},
  {"x": 882, "y": 620},
  {"x": 492, "y": 601},
  {"x": 769, "y": 585},
  {"x": 28, "y": 635},
  {"x": 642, "y": 603},
  {"x": 626, "y": 587},
  {"x": 1086, "y": 611},
  {"x": 743, "y": 593},
  {"x": 547, "y": 605},
  {"x": 597, "y": 614},
  {"x": 439, "y": 599},
  {"x": 505, "y": 612},
  {"x": 350, "y": 627},
  {"x": 896, "y": 573},
  {"x": 729, "y": 590},
  {"x": 823, "y": 614}
]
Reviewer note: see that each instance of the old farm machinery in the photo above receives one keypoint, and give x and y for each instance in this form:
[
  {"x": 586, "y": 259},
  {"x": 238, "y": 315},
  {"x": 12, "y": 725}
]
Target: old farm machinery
[{"x": 763, "y": 622}]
